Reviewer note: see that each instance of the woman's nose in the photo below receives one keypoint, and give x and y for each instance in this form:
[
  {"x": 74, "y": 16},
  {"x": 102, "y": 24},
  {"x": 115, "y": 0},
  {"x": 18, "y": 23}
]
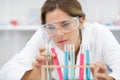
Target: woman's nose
[{"x": 59, "y": 33}]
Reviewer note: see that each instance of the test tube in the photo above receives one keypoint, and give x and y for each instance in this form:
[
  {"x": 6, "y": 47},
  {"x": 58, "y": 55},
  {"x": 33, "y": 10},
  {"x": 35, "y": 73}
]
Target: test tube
[
  {"x": 87, "y": 63},
  {"x": 56, "y": 62},
  {"x": 81, "y": 72},
  {"x": 66, "y": 58},
  {"x": 48, "y": 63},
  {"x": 72, "y": 59}
]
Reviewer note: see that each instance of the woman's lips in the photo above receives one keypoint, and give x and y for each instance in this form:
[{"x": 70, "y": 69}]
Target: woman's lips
[{"x": 62, "y": 41}]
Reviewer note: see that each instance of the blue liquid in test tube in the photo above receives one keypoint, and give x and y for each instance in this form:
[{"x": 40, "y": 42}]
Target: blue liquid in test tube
[
  {"x": 87, "y": 63},
  {"x": 66, "y": 52}
]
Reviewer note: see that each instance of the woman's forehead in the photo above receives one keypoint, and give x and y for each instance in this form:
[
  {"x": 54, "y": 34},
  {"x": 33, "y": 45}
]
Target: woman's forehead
[
  {"x": 60, "y": 21},
  {"x": 56, "y": 15}
]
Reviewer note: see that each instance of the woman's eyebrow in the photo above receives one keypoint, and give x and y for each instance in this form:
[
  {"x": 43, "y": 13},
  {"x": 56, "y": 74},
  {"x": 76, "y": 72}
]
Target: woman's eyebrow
[{"x": 63, "y": 22}]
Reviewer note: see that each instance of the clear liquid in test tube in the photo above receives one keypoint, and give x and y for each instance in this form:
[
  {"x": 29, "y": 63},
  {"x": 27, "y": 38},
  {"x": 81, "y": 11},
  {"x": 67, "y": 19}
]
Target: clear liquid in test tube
[{"x": 48, "y": 61}]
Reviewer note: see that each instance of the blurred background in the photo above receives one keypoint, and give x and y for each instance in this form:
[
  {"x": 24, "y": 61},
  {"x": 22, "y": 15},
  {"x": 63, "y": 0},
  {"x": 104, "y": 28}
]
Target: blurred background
[{"x": 19, "y": 19}]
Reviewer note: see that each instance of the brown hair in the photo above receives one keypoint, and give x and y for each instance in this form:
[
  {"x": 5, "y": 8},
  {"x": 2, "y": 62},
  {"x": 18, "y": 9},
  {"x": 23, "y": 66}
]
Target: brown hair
[{"x": 72, "y": 7}]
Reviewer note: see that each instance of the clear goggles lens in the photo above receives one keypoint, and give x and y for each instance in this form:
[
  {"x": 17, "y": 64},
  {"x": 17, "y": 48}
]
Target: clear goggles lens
[{"x": 65, "y": 26}]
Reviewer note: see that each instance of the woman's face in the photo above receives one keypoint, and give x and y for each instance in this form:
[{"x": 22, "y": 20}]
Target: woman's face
[{"x": 60, "y": 38}]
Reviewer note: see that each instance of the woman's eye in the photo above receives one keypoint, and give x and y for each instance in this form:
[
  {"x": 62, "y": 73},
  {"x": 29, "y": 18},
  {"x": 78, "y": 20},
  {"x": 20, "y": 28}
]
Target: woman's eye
[
  {"x": 51, "y": 28},
  {"x": 65, "y": 24}
]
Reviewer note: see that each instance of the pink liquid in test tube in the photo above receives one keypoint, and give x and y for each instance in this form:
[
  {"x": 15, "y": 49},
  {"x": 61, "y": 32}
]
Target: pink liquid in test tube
[
  {"x": 56, "y": 62},
  {"x": 81, "y": 72}
]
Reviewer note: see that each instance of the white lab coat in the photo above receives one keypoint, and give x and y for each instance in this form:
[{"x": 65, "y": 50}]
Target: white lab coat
[{"x": 102, "y": 45}]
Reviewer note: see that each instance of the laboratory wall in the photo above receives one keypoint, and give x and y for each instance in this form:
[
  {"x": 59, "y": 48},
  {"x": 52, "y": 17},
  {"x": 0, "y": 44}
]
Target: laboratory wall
[{"x": 19, "y": 18}]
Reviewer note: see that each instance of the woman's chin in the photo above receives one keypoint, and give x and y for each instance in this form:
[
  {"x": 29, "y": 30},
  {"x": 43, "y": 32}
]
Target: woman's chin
[{"x": 61, "y": 47}]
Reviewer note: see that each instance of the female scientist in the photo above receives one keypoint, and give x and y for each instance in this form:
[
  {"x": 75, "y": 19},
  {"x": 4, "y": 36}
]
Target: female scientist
[{"x": 64, "y": 22}]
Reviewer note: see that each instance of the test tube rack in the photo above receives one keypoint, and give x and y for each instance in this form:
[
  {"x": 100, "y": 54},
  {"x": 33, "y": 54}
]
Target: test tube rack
[{"x": 44, "y": 67}]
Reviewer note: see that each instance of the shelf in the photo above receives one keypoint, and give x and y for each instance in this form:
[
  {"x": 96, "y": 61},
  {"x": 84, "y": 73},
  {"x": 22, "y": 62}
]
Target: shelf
[
  {"x": 114, "y": 28},
  {"x": 33, "y": 28},
  {"x": 19, "y": 28}
]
